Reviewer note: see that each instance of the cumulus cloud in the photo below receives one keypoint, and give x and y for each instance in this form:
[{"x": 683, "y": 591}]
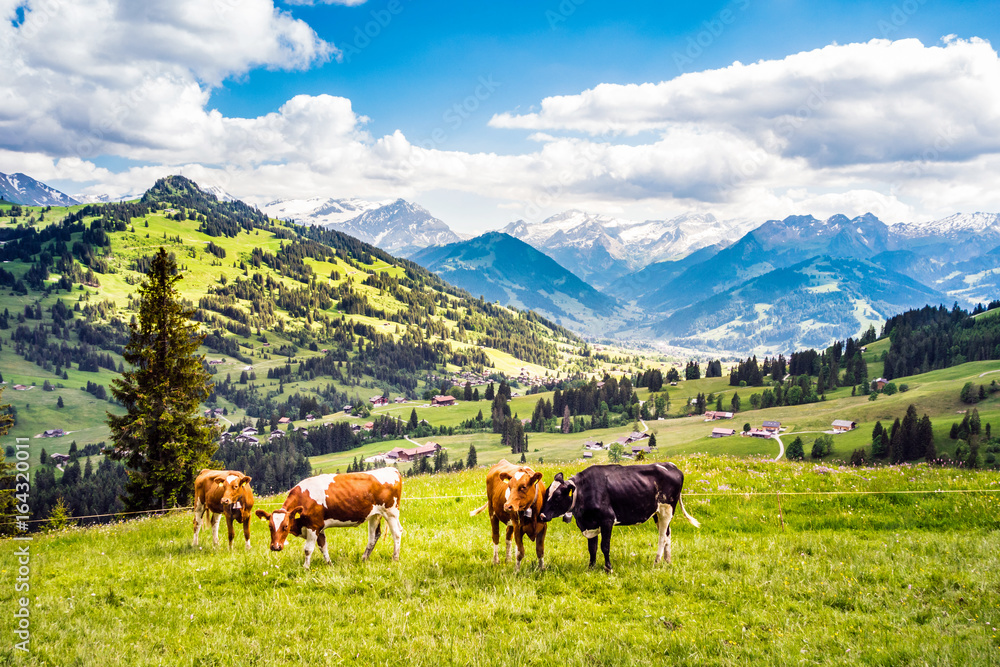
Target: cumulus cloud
[{"x": 896, "y": 128}]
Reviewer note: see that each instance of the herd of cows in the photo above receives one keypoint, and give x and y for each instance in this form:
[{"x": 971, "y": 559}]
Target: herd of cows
[{"x": 599, "y": 498}]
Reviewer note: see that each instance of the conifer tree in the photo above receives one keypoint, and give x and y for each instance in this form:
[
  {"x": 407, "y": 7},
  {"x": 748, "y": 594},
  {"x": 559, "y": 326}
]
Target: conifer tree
[
  {"x": 414, "y": 422},
  {"x": 162, "y": 438},
  {"x": 471, "y": 460}
]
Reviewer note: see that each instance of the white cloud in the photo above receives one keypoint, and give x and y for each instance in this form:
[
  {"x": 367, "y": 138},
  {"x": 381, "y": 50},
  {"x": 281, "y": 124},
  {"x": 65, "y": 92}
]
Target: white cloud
[{"x": 901, "y": 129}]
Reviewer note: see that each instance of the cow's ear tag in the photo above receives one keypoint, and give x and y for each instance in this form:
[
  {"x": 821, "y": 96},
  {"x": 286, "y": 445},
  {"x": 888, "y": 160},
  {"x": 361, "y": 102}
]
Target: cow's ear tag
[
  {"x": 570, "y": 493},
  {"x": 296, "y": 515},
  {"x": 527, "y": 512},
  {"x": 221, "y": 484}
]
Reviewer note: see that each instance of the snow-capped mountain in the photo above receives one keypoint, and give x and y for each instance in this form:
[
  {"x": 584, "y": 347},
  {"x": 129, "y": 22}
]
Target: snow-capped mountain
[
  {"x": 22, "y": 189},
  {"x": 601, "y": 248},
  {"x": 321, "y": 211},
  {"x": 399, "y": 227},
  {"x": 217, "y": 191}
]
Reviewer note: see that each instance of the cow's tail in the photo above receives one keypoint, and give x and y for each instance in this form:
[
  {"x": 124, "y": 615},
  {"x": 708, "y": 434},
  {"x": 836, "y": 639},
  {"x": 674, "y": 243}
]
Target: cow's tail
[
  {"x": 694, "y": 521},
  {"x": 479, "y": 509}
]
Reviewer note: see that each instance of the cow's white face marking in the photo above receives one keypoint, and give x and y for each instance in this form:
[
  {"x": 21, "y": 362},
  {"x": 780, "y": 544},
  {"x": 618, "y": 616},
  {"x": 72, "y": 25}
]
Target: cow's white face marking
[
  {"x": 518, "y": 476},
  {"x": 231, "y": 479},
  {"x": 386, "y": 475},
  {"x": 659, "y": 466},
  {"x": 277, "y": 518},
  {"x": 552, "y": 489},
  {"x": 593, "y": 532},
  {"x": 315, "y": 487}
]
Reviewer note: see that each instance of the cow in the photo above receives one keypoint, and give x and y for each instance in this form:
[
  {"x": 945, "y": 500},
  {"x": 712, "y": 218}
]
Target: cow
[
  {"x": 350, "y": 499},
  {"x": 222, "y": 493},
  {"x": 514, "y": 495},
  {"x": 603, "y": 496}
]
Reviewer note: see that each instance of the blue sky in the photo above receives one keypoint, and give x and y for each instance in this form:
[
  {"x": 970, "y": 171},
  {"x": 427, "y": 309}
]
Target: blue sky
[{"x": 490, "y": 112}]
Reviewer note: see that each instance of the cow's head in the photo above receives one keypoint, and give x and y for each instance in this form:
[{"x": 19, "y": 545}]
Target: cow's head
[
  {"x": 282, "y": 522},
  {"x": 520, "y": 494},
  {"x": 559, "y": 500},
  {"x": 233, "y": 487}
]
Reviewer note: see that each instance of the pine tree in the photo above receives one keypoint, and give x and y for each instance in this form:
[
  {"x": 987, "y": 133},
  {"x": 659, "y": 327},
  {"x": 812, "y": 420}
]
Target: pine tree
[
  {"x": 43, "y": 458},
  {"x": 59, "y": 403},
  {"x": 414, "y": 422},
  {"x": 471, "y": 460},
  {"x": 489, "y": 392},
  {"x": 896, "y": 451},
  {"x": 162, "y": 438},
  {"x": 734, "y": 405},
  {"x": 796, "y": 450},
  {"x": 925, "y": 438}
]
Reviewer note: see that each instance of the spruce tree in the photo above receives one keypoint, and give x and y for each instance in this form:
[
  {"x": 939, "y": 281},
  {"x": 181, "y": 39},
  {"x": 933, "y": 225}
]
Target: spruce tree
[
  {"x": 162, "y": 438},
  {"x": 414, "y": 422},
  {"x": 471, "y": 460},
  {"x": 925, "y": 438}
]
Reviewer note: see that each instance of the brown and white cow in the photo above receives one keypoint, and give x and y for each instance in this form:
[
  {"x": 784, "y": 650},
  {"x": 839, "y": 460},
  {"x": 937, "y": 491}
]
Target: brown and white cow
[
  {"x": 222, "y": 493},
  {"x": 514, "y": 495},
  {"x": 349, "y": 500}
]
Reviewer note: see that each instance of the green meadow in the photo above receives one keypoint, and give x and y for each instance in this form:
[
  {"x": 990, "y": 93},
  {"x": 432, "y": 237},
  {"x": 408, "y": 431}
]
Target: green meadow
[{"x": 884, "y": 577}]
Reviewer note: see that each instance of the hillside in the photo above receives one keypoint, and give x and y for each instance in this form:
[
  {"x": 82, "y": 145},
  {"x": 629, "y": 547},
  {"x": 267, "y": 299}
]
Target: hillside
[
  {"x": 303, "y": 311},
  {"x": 23, "y": 189},
  {"x": 504, "y": 269}
]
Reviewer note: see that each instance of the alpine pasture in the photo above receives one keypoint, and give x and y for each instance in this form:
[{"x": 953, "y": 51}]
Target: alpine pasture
[{"x": 889, "y": 577}]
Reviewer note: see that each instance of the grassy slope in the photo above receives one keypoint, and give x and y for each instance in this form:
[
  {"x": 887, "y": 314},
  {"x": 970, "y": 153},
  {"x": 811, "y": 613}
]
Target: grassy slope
[{"x": 886, "y": 580}]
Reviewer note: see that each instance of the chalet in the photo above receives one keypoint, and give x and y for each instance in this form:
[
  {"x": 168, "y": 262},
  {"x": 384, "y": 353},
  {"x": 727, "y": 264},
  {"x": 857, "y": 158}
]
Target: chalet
[
  {"x": 635, "y": 436},
  {"x": 640, "y": 449},
  {"x": 712, "y": 415},
  {"x": 592, "y": 445},
  {"x": 274, "y": 435},
  {"x": 880, "y": 383},
  {"x": 59, "y": 458},
  {"x": 54, "y": 433},
  {"x": 310, "y": 418},
  {"x": 355, "y": 428},
  {"x": 368, "y": 426},
  {"x": 723, "y": 432},
  {"x": 348, "y": 408},
  {"x": 400, "y": 399},
  {"x": 600, "y": 384},
  {"x": 378, "y": 401},
  {"x": 588, "y": 455},
  {"x": 216, "y": 362},
  {"x": 284, "y": 420},
  {"x": 21, "y": 387},
  {"x": 756, "y": 433},
  {"x": 249, "y": 430},
  {"x": 393, "y": 455},
  {"x": 843, "y": 425},
  {"x": 443, "y": 400},
  {"x": 771, "y": 427},
  {"x": 420, "y": 452}
]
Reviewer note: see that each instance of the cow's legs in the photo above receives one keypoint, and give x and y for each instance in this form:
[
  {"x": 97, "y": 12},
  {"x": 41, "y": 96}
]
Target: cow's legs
[
  {"x": 374, "y": 531},
  {"x": 246, "y": 530},
  {"x": 540, "y": 547},
  {"x": 606, "y": 545},
  {"x": 229, "y": 524},
  {"x": 311, "y": 538},
  {"x": 592, "y": 548},
  {"x": 321, "y": 541},
  {"x": 392, "y": 520},
  {"x": 495, "y": 523},
  {"x": 510, "y": 533},
  {"x": 519, "y": 540},
  {"x": 664, "y": 513},
  {"x": 199, "y": 519},
  {"x": 216, "y": 518}
]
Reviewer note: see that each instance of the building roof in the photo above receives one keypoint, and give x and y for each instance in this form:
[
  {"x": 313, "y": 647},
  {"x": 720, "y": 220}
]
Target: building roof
[
  {"x": 724, "y": 431},
  {"x": 771, "y": 424},
  {"x": 843, "y": 423}
]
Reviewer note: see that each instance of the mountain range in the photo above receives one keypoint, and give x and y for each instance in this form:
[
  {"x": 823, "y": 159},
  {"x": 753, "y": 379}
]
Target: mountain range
[{"x": 692, "y": 280}]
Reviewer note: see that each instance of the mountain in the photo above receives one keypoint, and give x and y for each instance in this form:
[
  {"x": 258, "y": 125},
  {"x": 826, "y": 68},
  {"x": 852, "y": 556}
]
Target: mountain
[
  {"x": 805, "y": 305},
  {"x": 505, "y": 269},
  {"x": 601, "y": 249},
  {"x": 322, "y": 211},
  {"x": 22, "y": 189},
  {"x": 398, "y": 227},
  {"x": 951, "y": 238},
  {"x": 217, "y": 192}
]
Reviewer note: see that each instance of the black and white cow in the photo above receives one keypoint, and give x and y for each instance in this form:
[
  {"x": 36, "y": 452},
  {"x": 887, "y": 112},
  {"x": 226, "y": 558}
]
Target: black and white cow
[{"x": 600, "y": 497}]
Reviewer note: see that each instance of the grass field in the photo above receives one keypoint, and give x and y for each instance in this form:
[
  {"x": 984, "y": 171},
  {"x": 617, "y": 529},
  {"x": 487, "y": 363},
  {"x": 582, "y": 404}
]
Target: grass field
[{"x": 892, "y": 579}]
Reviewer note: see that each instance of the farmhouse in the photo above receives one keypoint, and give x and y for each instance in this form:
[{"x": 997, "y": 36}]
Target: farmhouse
[
  {"x": 843, "y": 425},
  {"x": 377, "y": 401},
  {"x": 368, "y": 426},
  {"x": 249, "y": 430},
  {"x": 60, "y": 458},
  {"x": 400, "y": 399},
  {"x": 880, "y": 383},
  {"x": 712, "y": 415},
  {"x": 593, "y": 445},
  {"x": 755, "y": 433},
  {"x": 723, "y": 432},
  {"x": 443, "y": 400},
  {"x": 588, "y": 455},
  {"x": 310, "y": 418},
  {"x": 771, "y": 427},
  {"x": 640, "y": 449},
  {"x": 284, "y": 420},
  {"x": 347, "y": 409},
  {"x": 419, "y": 452},
  {"x": 21, "y": 387},
  {"x": 635, "y": 436},
  {"x": 54, "y": 433},
  {"x": 393, "y": 455}
]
